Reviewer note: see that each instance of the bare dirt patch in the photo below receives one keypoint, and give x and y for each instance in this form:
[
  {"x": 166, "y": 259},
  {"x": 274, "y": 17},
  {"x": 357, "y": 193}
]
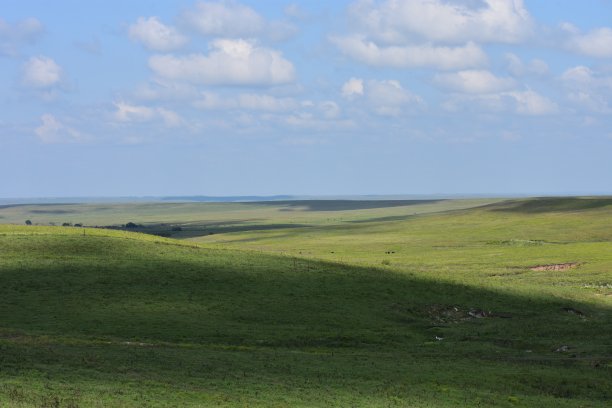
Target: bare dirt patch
[{"x": 555, "y": 267}]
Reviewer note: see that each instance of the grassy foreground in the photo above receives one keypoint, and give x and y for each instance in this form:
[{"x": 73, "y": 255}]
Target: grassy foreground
[{"x": 380, "y": 309}]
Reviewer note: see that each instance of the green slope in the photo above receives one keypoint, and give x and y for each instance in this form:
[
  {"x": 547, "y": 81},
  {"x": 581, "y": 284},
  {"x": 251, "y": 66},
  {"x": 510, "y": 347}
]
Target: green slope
[{"x": 108, "y": 318}]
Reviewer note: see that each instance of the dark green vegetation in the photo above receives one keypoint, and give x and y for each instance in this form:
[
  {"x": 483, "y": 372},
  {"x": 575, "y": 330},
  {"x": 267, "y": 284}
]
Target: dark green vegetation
[{"x": 424, "y": 305}]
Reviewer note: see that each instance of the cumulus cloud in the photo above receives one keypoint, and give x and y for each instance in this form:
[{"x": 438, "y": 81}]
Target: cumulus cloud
[
  {"x": 53, "y": 130},
  {"x": 588, "y": 89},
  {"x": 384, "y": 97},
  {"x": 127, "y": 113},
  {"x": 469, "y": 55},
  {"x": 41, "y": 72},
  {"x": 230, "y": 62},
  {"x": 389, "y": 97},
  {"x": 532, "y": 103},
  {"x": 353, "y": 87},
  {"x": 14, "y": 36},
  {"x": 451, "y": 22},
  {"x": 155, "y": 35},
  {"x": 474, "y": 81},
  {"x": 596, "y": 43}
]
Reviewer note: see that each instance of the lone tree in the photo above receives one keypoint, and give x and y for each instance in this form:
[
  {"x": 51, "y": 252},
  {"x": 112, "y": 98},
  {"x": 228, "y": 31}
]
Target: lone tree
[
  {"x": 28, "y": 222},
  {"x": 131, "y": 225}
]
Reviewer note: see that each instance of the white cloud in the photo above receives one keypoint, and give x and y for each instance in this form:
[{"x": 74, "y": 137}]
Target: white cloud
[
  {"x": 596, "y": 43},
  {"x": 133, "y": 113},
  {"x": 41, "y": 72},
  {"x": 474, "y": 81},
  {"x": 580, "y": 76},
  {"x": 170, "y": 118},
  {"x": 224, "y": 19},
  {"x": 352, "y": 88},
  {"x": 526, "y": 102},
  {"x": 389, "y": 97},
  {"x": 127, "y": 113},
  {"x": 532, "y": 103},
  {"x": 469, "y": 55},
  {"x": 13, "y": 36},
  {"x": 54, "y": 131},
  {"x": 518, "y": 68},
  {"x": 230, "y": 62},
  {"x": 451, "y": 22},
  {"x": 384, "y": 97},
  {"x": 588, "y": 89},
  {"x": 155, "y": 35}
]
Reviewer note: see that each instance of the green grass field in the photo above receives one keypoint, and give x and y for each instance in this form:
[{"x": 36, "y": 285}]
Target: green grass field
[{"x": 282, "y": 304}]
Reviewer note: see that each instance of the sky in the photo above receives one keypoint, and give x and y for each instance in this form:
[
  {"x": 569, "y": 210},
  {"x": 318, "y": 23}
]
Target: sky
[{"x": 160, "y": 98}]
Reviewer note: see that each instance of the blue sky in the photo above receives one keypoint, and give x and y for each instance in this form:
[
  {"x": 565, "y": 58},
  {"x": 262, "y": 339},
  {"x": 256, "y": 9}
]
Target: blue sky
[{"x": 110, "y": 98}]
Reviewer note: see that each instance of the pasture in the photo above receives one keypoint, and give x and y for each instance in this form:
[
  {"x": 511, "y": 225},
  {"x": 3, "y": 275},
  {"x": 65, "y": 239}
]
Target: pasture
[{"x": 410, "y": 304}]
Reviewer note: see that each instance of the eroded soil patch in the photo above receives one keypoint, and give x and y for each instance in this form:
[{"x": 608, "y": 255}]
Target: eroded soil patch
[{"x": 555, "y": 267}]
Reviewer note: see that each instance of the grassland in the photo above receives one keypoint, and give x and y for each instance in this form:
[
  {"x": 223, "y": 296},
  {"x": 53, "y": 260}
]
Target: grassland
[{"x": 309, "y": 304}]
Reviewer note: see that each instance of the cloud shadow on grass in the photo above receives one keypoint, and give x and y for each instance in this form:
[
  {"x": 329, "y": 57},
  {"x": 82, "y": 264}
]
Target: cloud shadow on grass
[{"x": 555, "y": 204}]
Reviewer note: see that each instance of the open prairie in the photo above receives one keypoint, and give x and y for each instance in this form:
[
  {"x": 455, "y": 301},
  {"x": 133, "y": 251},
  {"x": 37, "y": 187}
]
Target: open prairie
[{"x": 308, "y": 303}]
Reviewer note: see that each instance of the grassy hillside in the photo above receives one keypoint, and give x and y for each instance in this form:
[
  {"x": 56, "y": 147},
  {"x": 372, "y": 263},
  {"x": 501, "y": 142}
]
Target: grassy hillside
[{"x": 377, "y": 309}]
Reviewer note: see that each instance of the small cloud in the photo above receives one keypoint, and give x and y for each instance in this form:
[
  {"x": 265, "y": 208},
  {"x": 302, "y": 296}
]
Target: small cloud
[
  {"x": 578, "y": 75},
  {"x": 155, "y": 35},
  {"x": 532, "y": 103},
  {"x": 135, "y": 113},
  {"x": 53, "y": 131},
  {"x": 353, "y": 87},
  {"x": 474, "y": 81},
  {"x": 41, "y": 72},
  {"x": 170, "y": 118},
  {"x": 526, "y": 102},
  {"x": 389, "y": 98}
]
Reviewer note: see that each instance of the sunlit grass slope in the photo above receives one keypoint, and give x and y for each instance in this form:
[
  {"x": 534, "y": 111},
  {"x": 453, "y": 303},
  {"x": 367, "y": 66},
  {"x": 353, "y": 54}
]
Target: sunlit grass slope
[{"x": 426, "y": 311}]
